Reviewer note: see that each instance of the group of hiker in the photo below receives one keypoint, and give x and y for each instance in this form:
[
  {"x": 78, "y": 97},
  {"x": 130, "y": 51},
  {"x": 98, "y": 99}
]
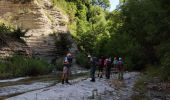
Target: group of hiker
[{"x": 105, "y": 66}]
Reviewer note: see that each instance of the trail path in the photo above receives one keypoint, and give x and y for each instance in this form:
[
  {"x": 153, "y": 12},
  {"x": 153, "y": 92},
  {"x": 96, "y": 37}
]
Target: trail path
[{"x": 83, "y": 89}]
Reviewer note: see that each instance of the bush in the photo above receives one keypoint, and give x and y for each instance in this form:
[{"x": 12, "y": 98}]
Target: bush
[
  {"x": 63, "y": 42},
  {"x": 4, "y": 30},
  {"x": 59, "y": 64},
  {"x": 165, "y": 69},
  {"x": 8, "y": 31},
  {"x": 82, "y": 60},
  {"x": 37, "y": 67},
  {"x": 21, "y": 1},
  {"x": 18, "y": 33},
  {"x": 21, "y": 66}
]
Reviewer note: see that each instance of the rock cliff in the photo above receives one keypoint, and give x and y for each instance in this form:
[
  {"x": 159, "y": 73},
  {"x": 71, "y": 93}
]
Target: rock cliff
[{"x": 42, "y": 19}]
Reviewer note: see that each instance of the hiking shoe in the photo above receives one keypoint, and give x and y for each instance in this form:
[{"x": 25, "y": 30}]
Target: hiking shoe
[
  {"x": 92, "y": 80},
  {"x": 62, "y": 82}
]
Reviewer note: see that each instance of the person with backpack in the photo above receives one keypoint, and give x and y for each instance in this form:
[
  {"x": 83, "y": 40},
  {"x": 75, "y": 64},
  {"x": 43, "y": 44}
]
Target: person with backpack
[
  {"x": 108, "y": 64},
  {"x": 93, "y": 64},
  {"x": 70, "y": 59},
  {"x": 66, "y": 68},
  {"x": 101, "y": 66},
  {"x": 115, "y": 62},
  {"x": 120, "y": 68}
]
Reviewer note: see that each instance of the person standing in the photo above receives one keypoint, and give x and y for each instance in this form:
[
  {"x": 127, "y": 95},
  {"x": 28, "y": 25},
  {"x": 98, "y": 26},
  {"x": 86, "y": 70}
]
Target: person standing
[
  {"x": 120, "y": 68},
  {"x": 101, "y": 66},
  {"x": 115, "y": 62},
  {"x": 66, "y": 68},
  {"x": 93, "y": 63},
  {"x": 108, "y": 67},
  {"x": 70, "y": 60}
]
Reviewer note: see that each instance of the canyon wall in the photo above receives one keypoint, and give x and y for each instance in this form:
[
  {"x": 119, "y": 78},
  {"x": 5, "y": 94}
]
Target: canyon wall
[{"x": 43, "y": 21}]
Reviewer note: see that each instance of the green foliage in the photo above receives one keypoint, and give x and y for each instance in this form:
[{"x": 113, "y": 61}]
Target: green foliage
[
  {"x": 70, "y": 8},
  {"x": 82, "y": 60},
  {"x": 144, "y": 34},
  {"x": 102, "y": 3},
  {"x": 21, "y": 66},
  {"x": 86, "y": 42},
  {"x": 4, "y": 30},
  {"x": 63, "y": 43},
  {"x": 59, "y": 64},
  {"x": 87, "y": 20},
  {"x": 18, "y": 33},
  {"x": 21, "y": 1},
  {"x": 7, "y": 31},
  {"x": 165, "y": 68},
  {"x": 147, "y": 26}
]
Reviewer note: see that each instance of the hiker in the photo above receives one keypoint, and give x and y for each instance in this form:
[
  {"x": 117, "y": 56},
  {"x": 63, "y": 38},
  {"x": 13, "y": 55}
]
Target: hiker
[
  {"x": 108, "y": 63},
  {"x": 70, "y": 59},
  {"x": 120, "y": 68},
  {"x": 115, "y": 62},
  {"x": 66, "y": 68},
  {"x": 93, "y": 63},
  {"x": 101, "y": 66}
]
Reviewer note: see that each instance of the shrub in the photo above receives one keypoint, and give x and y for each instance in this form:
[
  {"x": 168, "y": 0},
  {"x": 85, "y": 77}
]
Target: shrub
[
  {"x": 59, "y": 64},
  {"x": 18, "y": 33},
  {"x": 165, "y": 69},
  {"x": 7, "y": 31},
  {"x": 82, "y": 60},
  {"x": 63, "y": 42},
  {"x": 22, "y": 66},
  {"x": 21, "y": 1},
  {"x": 4, "y": 30}
]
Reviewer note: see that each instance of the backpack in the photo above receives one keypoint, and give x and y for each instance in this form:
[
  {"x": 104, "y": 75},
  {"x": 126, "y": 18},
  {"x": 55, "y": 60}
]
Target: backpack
[
  {"x": 120, "y": 63},
  {"x": 70, "y": 59},
  {"x": 109, "y": 62},
  {"x": 65, "y": 62},
  {"x": 94, "y": 61},
  {"x": 115, "y": 62}
]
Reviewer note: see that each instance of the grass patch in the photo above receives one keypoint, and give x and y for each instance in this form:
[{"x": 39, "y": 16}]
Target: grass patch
[
  {"x": 140, "y": 89},
  {"x": 18, "y": 66},
  {"x": 148, "y": 82}
]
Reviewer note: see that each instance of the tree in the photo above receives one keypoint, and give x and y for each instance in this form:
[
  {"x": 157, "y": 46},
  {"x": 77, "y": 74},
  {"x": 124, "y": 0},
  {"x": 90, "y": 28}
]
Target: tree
[{"x": 102, "y": 3}]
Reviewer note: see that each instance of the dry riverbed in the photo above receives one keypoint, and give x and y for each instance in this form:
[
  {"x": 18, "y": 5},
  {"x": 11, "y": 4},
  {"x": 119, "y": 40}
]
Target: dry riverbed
[{"x": 82, "y": 89}]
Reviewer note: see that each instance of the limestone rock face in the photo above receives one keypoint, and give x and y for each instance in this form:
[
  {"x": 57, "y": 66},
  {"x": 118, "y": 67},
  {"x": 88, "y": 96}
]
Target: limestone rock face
[{"x": 41, "y": 18}]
